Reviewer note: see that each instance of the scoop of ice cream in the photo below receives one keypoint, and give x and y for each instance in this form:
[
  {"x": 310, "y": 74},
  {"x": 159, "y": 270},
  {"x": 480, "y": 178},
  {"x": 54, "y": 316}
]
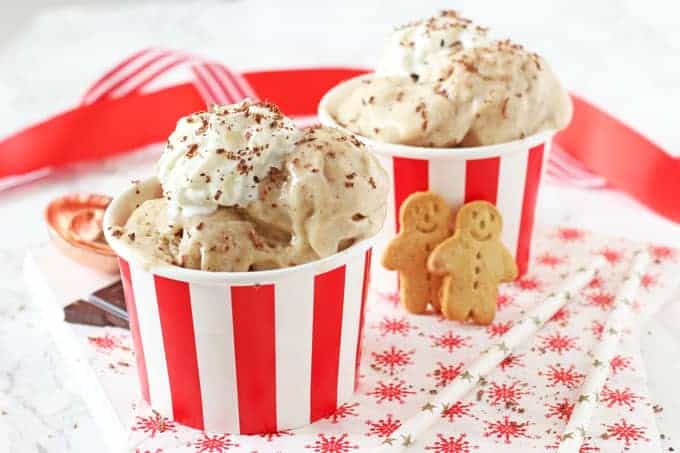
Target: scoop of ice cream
[
  {"x": 410, "y": 46},
  {"x": 217, "y": 158},
  {"x": 328, "y": 193},
  {"x": 332, "y": 194},
  {"x": 396, "y": 110},
  {"x": 473, "y": 92}
]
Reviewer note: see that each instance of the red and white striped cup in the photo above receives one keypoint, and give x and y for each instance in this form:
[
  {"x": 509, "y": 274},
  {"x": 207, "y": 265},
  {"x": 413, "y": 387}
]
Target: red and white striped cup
[
  {"x": 243, "y": 352},
  {"x": 506, "y": 174}
]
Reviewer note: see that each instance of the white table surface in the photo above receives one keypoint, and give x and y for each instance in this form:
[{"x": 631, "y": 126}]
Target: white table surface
[{"x": 623, "y": 55}]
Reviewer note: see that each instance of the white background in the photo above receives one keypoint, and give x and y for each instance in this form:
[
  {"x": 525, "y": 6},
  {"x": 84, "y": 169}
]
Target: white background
[{"x": 622, "y": 55}]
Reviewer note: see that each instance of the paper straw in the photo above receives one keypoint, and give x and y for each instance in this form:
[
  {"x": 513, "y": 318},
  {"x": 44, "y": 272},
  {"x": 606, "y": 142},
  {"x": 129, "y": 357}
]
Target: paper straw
[
  {"x": 489, "y": 359},
  {"x": 621, "y": 317}
]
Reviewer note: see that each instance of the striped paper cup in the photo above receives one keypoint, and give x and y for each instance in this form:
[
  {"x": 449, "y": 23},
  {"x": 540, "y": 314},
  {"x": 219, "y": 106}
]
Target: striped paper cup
[
  {"x": 506, "y": 174},
  {"x": 243, "y": 352}
]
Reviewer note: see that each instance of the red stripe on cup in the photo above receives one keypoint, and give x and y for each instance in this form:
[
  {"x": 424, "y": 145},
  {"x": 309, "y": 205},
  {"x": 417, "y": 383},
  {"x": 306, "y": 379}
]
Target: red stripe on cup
[
  {"x": 531, "y": 182},
  {"x": 329, "y": 295},
  {"x": 481, "y": 179},
  {"x": 174, "y": 310},
  {"x": 134, "y": 327},
  {"x": 255, "y": 353},
  {"x": 364, "y": 294},
  {"x": 410, "y": 175}
]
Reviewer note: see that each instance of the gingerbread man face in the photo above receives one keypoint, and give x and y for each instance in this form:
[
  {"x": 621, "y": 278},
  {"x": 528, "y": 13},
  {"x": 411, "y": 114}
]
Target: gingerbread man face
[
  {"x": 425, "y": 213},
  {"x": 481, "y": 220}
]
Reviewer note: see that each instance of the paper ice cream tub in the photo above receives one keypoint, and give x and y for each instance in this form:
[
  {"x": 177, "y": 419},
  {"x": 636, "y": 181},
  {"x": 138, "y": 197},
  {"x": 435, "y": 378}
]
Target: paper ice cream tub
[
  {"x": 242, "y": 352},
  {"x": 507, "y": 175}
]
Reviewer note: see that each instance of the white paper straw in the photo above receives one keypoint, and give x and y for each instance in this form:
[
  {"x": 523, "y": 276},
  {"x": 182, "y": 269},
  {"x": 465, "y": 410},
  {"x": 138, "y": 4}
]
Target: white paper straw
[
  {"x": 620, "y": 318},
  {"x": 489, "y": 359}
]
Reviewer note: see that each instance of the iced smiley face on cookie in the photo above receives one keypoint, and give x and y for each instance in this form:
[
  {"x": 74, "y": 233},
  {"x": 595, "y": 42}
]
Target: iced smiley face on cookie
[
  {"x": 425, "y": 213},
  {"x": 425, "y": 220},
  {"x": 472, "y": 263},
  {"x": 480, "y": 220}
]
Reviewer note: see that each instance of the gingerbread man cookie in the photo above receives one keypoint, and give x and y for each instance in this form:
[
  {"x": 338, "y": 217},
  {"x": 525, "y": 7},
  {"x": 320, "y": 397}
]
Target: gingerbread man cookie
[
  {"x": 473, "y": 262},
  {"x": 425, "y": 221}
]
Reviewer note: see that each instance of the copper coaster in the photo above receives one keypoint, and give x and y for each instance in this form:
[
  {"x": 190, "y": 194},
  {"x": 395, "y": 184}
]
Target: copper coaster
[{"x": 75, "y": 227}]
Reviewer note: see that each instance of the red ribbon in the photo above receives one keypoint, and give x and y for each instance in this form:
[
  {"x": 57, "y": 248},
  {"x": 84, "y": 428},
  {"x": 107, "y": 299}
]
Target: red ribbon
[
  {"x": 629, "y": 161},
  {"x": 105, "y": 128}
]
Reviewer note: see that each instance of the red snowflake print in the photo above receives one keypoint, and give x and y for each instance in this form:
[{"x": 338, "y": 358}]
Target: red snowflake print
[
  {"x": 154, "y": 424},
  {"x": 529, "y": 284},
  {"x": 601, "y": 300},
  {"x": 549, "y": 260},
  {"x": 445, "y": 374},
  {"x": 568, "y": 377},
  {"x": 384, "y": 427},
  {"x": 450, "y": 444},
  {"x": 506, "y": 429},
  {"x": 498, "y": 329},
  {"x": 276, "y": 434},
  {"x": 562, "y": 409},
  {"x": 626, "y": 432},
  {"x": 648, "y": 280},
  {"x": 558, "y": 343},
  {"x": 596, "y": 282},
  {"x": 612, "y": 256},
  {"x": 661, "y": 252},
  {"x": 597, "y": 328},
  {"x": 394, "y": 326},
  {"x": 561, "y": 316},
  {"x": 450, "y": 341},
  {"x": 392, "y": 298},
  {"x": 214, "y": 444},
  {"x": 618, "y": 397},
  {"x": 569, "y": 234},
  {"x": 391, "y": 360},
  {"x": 331, "y": 444},
  {"x": 511, "y": 361},
  {"x": 343, "y": 412},
  {"x": 457, "y": 410},
  {"x": 392, "y": 391},
  {"x": 619, "y": 363},
  {"x": 504, "y": 300},
  {"x": 509, "y": 395}
]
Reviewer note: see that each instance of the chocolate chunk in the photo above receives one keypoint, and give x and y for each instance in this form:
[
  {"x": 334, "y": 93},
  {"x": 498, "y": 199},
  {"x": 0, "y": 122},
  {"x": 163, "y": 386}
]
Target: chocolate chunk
[{"x": 81, "y": 312}]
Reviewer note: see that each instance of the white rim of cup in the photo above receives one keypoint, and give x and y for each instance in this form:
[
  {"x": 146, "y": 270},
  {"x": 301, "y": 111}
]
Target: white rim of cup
[
  {"x": 129, "y": 254},
  {"x": 329, "y": 102}
]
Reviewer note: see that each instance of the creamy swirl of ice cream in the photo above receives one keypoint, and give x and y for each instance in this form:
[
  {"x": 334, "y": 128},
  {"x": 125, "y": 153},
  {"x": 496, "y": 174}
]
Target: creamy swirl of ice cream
[
  {"x": 217, "y": 158},
  {"x": 410, "y": 46},
  {"x": 443, "y": 83},
  {"x": 244, "y": 190}
]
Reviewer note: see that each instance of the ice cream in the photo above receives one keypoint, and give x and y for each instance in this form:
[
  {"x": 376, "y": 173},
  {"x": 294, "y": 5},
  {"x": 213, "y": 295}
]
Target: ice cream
[
  {"x": 442, "y": 82},
  {"x": 244, "y": 189},
  {"x": 215, "y": 158}
]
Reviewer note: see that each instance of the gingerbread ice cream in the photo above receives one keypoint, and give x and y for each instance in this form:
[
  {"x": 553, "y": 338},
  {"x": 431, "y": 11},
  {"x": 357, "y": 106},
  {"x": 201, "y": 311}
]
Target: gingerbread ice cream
[
  {"x": 443, "y": 82},
  {"x": 244, "y": 189}
]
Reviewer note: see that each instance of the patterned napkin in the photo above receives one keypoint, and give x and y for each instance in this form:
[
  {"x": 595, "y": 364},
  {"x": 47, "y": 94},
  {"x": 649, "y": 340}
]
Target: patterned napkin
[{"x": 523, "y": 405}]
